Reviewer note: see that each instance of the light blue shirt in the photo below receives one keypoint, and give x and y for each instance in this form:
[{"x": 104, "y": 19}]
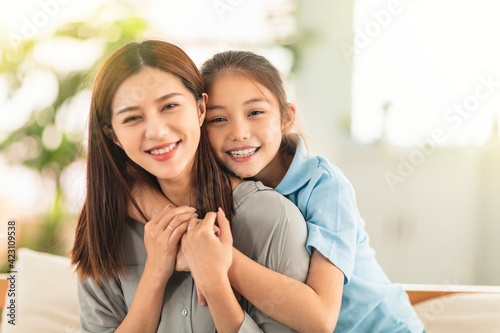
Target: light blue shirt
[{"x": 370, "y": 302}]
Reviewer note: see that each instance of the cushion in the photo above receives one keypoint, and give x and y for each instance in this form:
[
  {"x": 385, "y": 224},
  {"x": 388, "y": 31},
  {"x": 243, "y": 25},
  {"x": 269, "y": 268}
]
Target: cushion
[
  {"x": 457, "y": 313},
  {"x": 46, "y": 291}
]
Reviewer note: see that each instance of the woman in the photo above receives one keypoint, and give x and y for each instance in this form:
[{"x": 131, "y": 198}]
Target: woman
[{"x": 147, "y": 109}]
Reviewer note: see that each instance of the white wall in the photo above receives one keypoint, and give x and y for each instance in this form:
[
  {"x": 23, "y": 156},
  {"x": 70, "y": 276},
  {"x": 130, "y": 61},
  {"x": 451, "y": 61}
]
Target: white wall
[{"x": 440, "y": 224}]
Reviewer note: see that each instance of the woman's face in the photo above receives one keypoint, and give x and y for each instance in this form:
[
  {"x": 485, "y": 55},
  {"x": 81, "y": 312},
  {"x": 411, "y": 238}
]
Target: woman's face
[{"x": 156, "y": 121}]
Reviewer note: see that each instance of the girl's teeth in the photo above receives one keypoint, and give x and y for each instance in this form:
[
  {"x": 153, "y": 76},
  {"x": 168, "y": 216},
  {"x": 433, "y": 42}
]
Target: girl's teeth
[
  {"x": 163, "y": 150},
  {"x": 243, "y": 152}
]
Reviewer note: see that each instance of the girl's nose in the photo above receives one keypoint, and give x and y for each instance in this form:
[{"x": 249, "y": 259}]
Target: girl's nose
[{"x": 240, "y": 132}]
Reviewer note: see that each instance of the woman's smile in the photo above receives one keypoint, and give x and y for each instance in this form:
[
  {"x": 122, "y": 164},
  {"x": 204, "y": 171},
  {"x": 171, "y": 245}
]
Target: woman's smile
[{"x": 164, "y": 152}]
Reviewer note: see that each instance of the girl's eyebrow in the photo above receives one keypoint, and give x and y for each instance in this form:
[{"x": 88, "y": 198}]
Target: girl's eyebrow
[
  {"x": 255, "y": 100},
  {"x": 158, "y": 100},
  {"x": 250, "y": 101}
]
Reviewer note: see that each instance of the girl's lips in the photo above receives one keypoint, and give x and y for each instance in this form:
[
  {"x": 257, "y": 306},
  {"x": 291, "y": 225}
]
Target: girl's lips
[{"x": 164, "y": 152}]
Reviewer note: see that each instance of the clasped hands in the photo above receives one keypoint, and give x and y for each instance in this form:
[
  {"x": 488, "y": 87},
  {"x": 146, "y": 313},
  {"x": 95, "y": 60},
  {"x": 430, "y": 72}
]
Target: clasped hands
[{"x": 176, "y": 239}]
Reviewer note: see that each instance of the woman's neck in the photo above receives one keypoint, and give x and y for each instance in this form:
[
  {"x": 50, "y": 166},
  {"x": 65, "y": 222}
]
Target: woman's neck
[{"x": 179, "y": 190}]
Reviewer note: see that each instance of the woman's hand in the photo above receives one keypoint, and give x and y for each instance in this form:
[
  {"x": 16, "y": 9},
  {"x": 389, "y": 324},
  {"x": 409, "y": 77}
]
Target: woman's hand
[
  {"x": 208, "y": 253},
  {"x": 161, "y": 238}
]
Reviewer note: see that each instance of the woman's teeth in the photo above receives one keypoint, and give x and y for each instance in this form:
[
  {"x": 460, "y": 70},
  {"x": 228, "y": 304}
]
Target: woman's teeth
[
  {"x": 163, "y": 150},
  {"x": 242, "y": 153}
]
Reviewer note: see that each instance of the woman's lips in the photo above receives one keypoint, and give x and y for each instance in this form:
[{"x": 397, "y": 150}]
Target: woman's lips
[{"x": 165, "y": 152}]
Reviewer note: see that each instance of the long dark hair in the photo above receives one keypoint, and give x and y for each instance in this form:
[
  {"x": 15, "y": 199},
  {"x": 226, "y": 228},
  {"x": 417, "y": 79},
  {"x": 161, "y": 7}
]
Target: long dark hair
[{"x": 97, "y": 250}]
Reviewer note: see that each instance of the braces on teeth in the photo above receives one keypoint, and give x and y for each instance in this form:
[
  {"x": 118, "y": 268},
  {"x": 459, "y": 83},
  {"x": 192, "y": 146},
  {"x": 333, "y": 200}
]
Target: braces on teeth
[{"x": 243, "y": 153}]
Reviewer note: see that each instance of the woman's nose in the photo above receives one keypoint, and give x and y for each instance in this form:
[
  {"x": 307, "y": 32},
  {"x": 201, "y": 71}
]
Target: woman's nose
[{"x": 155, "y": 128}]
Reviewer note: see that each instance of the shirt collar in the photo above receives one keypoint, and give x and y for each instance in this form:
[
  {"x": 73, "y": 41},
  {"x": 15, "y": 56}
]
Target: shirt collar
[{"x": 298, "y": 173}]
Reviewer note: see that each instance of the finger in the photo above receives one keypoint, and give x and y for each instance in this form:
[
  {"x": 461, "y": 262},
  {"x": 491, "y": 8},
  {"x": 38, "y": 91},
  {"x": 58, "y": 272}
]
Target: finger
[
  {"x": 201, "y": 297},
  {"x": 157, "y": 217},
  {"x": 179, "y": 214},
  {"x": 216, "y": 231},
  {"x": 181, "y": 218},
  {"x": 176, "y": 235},
  {"x": 193, "y": 223},
  {"x": 209, "y": 221},
  {"x": 225, "y": 228}
]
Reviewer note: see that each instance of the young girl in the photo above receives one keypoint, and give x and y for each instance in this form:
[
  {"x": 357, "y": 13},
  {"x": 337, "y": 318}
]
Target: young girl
[
  {"x": 146, "y": 112},
  {"x": 249, "y": 122}
]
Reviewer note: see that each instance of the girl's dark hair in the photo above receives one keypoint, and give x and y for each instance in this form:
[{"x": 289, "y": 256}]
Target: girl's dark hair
[
  {"x": 97, "y": 250},
  {"x": 258, "y": 69}
]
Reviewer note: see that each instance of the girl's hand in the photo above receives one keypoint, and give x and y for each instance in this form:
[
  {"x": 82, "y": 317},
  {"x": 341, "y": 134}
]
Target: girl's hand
[
  {"x": 207, "y": 254},
  {"x": 161, "y": 238},
  {"x": 181, "y": 264}
]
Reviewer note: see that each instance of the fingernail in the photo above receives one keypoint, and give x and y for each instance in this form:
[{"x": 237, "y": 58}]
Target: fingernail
[{"x": 221, "y": 211}]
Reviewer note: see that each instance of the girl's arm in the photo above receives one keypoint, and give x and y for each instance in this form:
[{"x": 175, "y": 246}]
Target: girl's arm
[
  {"x": 310, "y": 307},
  {"x": 209, "y": 258}
]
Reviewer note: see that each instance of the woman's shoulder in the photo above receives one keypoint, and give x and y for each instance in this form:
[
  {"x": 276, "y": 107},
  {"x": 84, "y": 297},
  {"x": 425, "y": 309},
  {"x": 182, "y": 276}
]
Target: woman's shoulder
[
  {"x": 259, "y": 201},
  {"x": 248, "y": 192},
  {"x": 265, "y": 219}
]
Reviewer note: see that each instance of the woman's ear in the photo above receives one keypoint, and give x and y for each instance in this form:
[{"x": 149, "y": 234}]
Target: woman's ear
[
  {"x": 111, "y": 134},
  {"x": 202, "y": 108},
  {"x": 289, "y": 119}
]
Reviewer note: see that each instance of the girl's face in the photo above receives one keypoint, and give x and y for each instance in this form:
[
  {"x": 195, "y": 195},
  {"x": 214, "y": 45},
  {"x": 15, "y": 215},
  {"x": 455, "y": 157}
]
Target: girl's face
[
  {"x": 156, "y": 121},
  {"x": 244, "y": 126}
]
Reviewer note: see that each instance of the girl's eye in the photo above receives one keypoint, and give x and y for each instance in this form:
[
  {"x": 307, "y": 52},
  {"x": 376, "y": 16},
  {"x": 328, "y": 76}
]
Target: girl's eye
[
  {"x": 254, "y": 113},
  {"x": 169, "y": 106},
  {"x": 217, "y": 120},
  {"x": 129, "y": 119}
]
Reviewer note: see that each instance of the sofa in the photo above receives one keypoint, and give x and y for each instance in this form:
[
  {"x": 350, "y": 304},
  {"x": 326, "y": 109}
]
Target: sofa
[{"x": 46, "y": 300}]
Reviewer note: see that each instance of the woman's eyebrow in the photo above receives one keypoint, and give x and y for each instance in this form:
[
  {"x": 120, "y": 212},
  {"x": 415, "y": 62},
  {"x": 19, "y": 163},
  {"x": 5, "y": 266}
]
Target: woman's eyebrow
[
  {"x": 167, "y": 96},
  {"x": 158, "y": 100}
]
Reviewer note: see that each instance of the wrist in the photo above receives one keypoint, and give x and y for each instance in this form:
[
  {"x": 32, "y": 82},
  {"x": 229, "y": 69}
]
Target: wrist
[
  {"x": 213, "y": 285},
  {"x": 158, "y": 277}
]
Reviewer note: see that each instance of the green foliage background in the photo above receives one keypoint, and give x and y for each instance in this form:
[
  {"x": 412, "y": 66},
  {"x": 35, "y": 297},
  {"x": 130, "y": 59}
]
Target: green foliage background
[{"x": 48, "y": 237}]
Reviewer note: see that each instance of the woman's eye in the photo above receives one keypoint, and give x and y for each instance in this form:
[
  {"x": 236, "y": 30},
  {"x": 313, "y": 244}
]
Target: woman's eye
[
  {"x": 254, "y": 113},
  {"x": 129, "y": 119},
  {"x": 169, "y": 106}
]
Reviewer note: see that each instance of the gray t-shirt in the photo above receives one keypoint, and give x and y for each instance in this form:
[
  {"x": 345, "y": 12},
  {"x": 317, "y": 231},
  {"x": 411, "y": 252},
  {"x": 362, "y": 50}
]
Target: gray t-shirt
[{"x": 267, "y": 228}]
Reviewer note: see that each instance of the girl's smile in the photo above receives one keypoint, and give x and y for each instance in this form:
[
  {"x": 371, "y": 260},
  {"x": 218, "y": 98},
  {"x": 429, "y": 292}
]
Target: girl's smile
[{"x": 243, "y": 154}]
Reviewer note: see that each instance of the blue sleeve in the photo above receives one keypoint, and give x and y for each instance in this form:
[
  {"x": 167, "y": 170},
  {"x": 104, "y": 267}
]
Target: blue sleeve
[{"x": 333, "y": 219}]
